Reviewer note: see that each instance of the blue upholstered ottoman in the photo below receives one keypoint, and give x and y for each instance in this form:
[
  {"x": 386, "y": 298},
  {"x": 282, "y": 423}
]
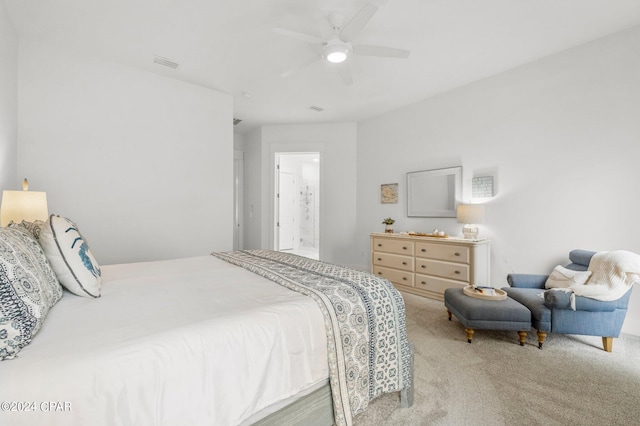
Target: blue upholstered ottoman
[{"x": 483, "y": 314}]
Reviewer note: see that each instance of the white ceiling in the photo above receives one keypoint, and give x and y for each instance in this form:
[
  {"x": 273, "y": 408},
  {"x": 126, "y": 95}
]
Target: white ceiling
[{"x": 228, "y": 45}]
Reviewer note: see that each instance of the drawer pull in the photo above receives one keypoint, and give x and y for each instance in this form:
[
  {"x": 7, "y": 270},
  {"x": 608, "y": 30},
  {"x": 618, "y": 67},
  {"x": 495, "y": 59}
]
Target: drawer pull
[
  {"x": 457, "y": 254},
  {"x": 379, "y": 245},
  {"x": 404, "y": 248},
  {"x": 404, "y": 263},
  {"x": 457, "y": 272},
  {"x": 424, "y": 266},
  {"x": 404, "y": 278},
  {"x": 379, "y": 258},
  {"x": 424, "y": 282},
  {"x": 379, "y": 273},
  {"x": 423, "y": 250}
]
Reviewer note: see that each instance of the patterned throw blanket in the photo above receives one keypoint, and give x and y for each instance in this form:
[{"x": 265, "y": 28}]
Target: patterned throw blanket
[{"x": 364, "y": 316}]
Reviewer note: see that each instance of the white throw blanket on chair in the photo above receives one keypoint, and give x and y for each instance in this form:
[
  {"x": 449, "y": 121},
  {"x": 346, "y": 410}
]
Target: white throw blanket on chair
[{"x": 612, "y": 275}]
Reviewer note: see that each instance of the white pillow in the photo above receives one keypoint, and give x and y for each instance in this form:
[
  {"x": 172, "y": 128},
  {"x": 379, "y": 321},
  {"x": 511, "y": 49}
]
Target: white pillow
[
  {"x": 70, "y": 257},
  {"x": 562, "y": 277}
]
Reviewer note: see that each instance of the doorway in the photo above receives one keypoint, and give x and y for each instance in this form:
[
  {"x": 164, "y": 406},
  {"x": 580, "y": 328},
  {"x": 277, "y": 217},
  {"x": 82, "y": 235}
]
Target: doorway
[
  {"x": 238, "y": 207},
  {"x": 297, "y": 215}
]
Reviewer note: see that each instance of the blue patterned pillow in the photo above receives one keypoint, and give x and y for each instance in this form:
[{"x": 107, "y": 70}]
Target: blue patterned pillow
[
  {"x": 28, "y": 289},
  {"x": 34, "y": 228},
  {"x": 12, "y": 335},
  {"x": 70, "y": 257}
]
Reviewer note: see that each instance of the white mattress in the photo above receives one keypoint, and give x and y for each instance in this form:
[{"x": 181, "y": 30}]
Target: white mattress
[{"x": 189, "y": 341}]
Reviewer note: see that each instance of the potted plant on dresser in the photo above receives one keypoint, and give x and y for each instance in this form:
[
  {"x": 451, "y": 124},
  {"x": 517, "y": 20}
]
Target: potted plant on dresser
[{"x": 388, "y": 222}]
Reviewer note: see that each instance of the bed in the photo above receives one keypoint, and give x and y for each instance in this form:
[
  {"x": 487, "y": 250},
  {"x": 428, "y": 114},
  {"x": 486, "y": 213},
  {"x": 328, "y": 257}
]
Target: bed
[{"x": 232, "y": 338}]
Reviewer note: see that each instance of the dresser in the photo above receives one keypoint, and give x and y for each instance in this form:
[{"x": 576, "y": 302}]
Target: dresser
[{"x": 427, "y": 266}]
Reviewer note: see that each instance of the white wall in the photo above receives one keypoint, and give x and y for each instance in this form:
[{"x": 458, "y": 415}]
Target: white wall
[
  {"x": 238, "y": 142},
  {"x": 8, "y": 101},
  {"x": 561, "y": 137},
  {"x": 337, "y": 146},
  {"x": 142, "y": 163}
]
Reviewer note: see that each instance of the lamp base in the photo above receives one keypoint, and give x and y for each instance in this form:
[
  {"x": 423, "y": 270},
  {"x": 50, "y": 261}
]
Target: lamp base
[{"x": 470, "y": 231}]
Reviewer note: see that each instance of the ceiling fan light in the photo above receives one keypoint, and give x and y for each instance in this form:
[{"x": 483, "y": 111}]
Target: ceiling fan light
[
  {"x": 336, "y": 51},
  {"x": 336, "y": 57}
]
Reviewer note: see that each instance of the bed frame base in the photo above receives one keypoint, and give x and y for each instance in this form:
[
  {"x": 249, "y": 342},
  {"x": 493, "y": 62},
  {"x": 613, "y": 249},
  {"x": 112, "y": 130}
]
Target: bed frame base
[
  {"x": 316, "y": 408},
  {"x": 406, "y": 395}
]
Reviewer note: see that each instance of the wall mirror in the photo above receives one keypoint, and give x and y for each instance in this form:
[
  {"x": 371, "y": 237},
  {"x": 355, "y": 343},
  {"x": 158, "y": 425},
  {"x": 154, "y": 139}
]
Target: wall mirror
[{"x": 433, "y": 193}]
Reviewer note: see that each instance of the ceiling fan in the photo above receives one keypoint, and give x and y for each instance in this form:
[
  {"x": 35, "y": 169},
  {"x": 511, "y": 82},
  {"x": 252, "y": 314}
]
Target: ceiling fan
[{"x": 338, "y": 49}]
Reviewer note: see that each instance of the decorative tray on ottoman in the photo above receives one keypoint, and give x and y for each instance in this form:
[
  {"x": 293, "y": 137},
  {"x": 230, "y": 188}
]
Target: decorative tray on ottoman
[{"x": 487, "y": 293}]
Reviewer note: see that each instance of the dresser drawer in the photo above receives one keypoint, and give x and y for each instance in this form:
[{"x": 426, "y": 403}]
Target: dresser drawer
[
  {"x": 450, "y": 253},
  {"x": 393, "y": 246},
  {"x": 435, "y": 284},
  {"x": 393, "y": 261},
  {"x": 455, "y": 271},
  {"x": 394, "y": 275},
  {"x": 427, "y": 266}
]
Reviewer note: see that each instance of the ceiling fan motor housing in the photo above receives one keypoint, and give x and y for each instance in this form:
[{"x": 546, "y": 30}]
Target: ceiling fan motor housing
[{"x": 336, "y": 50}]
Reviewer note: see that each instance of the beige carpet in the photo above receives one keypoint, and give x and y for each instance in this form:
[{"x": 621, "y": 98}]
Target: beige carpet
[{"x": 495, "y": 381}]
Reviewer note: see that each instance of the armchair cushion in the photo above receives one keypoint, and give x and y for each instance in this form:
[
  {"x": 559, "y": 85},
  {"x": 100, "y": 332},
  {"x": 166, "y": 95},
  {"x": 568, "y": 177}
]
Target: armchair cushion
[
  {"x": 562, "y": 277},
  {"x": 580, "y": 259},
  {"x": 527, "y": 280},
  {"x": 530, "y": 297}
]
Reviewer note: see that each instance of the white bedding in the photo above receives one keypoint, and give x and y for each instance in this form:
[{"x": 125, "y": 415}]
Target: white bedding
[{"x": 189, "y": 341}]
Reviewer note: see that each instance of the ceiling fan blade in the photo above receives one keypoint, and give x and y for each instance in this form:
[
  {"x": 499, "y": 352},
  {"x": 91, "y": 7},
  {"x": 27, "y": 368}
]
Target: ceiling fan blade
[
  {"x": 300, "y": 66},
  {"x": 299, "y": 36},
  {"x": 345, "y": 73},
  {"x": 357, "y": 23},
  {"x": 385, "y": 52}
]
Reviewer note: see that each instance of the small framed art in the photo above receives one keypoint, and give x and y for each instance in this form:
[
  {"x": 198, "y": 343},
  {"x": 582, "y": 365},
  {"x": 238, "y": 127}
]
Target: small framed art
[{"x": 389, "y": 193}]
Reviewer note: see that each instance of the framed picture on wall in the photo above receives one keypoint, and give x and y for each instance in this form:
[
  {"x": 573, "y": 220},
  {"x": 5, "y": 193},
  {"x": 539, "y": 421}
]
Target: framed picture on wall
[
  {"x": 433, "y": 193},
  {"x": 389, "y": 193}
]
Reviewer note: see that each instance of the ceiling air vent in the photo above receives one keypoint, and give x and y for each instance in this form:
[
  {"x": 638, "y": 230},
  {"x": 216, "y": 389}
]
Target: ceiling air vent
[
  {"x": 236, "y": 121},
  {"x": 166, "y": 62},
  {"x": 316, "y": 108}
]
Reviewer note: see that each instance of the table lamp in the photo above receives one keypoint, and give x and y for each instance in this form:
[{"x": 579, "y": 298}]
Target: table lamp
[
  {"x": 470, "y": 214},
  {"x": 23, "y": 205}
]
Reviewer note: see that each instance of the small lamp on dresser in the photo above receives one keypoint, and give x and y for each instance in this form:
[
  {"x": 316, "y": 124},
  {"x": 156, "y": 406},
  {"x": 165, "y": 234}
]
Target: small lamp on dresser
[
  {"x": 470, "y": 215},
  {"x": 23, "y": 205}
]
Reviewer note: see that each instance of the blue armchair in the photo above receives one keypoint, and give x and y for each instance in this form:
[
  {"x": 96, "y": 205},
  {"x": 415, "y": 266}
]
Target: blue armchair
[{"x": 554, "y": 313}]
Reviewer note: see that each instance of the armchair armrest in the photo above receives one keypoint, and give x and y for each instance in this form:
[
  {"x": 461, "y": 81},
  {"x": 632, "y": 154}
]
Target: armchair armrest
[{"x": 527, "y": 280}]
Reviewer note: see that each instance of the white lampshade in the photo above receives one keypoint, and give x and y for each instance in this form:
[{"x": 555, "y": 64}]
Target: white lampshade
[
  {"x": 23, "y": 205},
  {"x": 470, "y": 214}
]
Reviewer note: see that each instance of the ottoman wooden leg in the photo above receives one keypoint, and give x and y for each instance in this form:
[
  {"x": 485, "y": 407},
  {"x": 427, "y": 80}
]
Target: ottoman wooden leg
[
  {"x": 523, "y": 337},
  {"x": 449, "y": 313},
  {"x": 541, "y": 336},
  {"x": 469, "y": 334}
]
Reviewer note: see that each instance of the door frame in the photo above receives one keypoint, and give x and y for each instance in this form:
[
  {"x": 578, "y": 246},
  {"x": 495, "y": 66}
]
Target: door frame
[
  {"x": 238, "y": 199},
  {"x": 296, "y": 149}
]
